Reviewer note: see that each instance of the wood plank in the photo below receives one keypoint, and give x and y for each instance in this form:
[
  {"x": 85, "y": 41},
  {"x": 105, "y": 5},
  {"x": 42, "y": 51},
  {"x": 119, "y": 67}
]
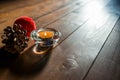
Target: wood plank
[
  {"x": 60, "y": 13},
  {"x": 67, "y": 60},
  {"x": 107, "y": 64},
  {"x": 45, "y": 21},
  {"x": 72, "y": 58},
  {"x": 76, "y": 18},
  {"x": 10, "y": 17},
  {"x": 35, "y": 10},
  {"x": 75, "y": 8},
  {"x": 56, "y": 15},
  {"x": 8, "y": 5}
]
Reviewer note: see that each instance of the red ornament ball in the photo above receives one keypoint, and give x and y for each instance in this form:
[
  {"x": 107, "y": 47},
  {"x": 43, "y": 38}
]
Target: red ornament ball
[{"x": 26, "y": 23}]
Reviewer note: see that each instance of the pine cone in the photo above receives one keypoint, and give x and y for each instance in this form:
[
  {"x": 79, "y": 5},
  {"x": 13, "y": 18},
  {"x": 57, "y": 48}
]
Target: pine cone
[{"x": 15, "y": 39}]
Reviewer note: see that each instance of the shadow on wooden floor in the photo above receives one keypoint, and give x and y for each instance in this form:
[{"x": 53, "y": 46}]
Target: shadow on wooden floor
[
  {"x": 26, "y": 64},
  {"x": 6, "y": 58},
  {"x": 29, "y": 63}
]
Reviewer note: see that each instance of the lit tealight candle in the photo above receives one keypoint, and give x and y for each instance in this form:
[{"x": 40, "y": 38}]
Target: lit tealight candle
[{"x": 46, "y": 34}]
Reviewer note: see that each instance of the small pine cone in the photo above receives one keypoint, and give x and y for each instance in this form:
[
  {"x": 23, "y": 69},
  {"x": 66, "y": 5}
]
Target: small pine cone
[{"x": 14, "y": 39}]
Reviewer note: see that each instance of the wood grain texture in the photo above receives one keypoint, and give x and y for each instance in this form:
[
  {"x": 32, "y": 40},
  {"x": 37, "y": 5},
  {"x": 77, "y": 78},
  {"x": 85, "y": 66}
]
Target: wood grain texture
[
  {"x": 72, "y": 21},
  {"x": 72, "y": 62},
  {"x": 8, "y": 5},
  {"x": 85, "y": 26},
  {"x": 77, "y": 56},
  {"x": 106, "y": 66},
  {"x": 55, "y": 15},
  {"x": 46, "y": 19},
  {"x": 34, "y": 10}
]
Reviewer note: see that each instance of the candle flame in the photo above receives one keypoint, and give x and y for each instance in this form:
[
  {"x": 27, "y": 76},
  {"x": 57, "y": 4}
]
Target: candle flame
[{"x": 45, "y": 34}]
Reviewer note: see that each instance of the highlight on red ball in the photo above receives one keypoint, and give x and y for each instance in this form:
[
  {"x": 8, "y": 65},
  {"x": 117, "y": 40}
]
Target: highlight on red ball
[{"x": 26, "y": 23}]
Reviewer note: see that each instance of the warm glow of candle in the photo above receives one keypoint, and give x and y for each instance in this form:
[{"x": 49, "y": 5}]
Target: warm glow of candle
[{"x": 46, "y": 34}]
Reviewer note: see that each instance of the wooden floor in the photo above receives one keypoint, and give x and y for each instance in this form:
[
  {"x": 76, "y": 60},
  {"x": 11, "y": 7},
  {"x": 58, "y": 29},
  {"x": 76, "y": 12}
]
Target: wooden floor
[{"x": 89, "y": 48}]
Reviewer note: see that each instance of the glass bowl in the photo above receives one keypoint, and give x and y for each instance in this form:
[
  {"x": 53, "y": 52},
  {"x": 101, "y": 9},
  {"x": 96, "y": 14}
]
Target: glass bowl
[{"x": 43, "y": 44}]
